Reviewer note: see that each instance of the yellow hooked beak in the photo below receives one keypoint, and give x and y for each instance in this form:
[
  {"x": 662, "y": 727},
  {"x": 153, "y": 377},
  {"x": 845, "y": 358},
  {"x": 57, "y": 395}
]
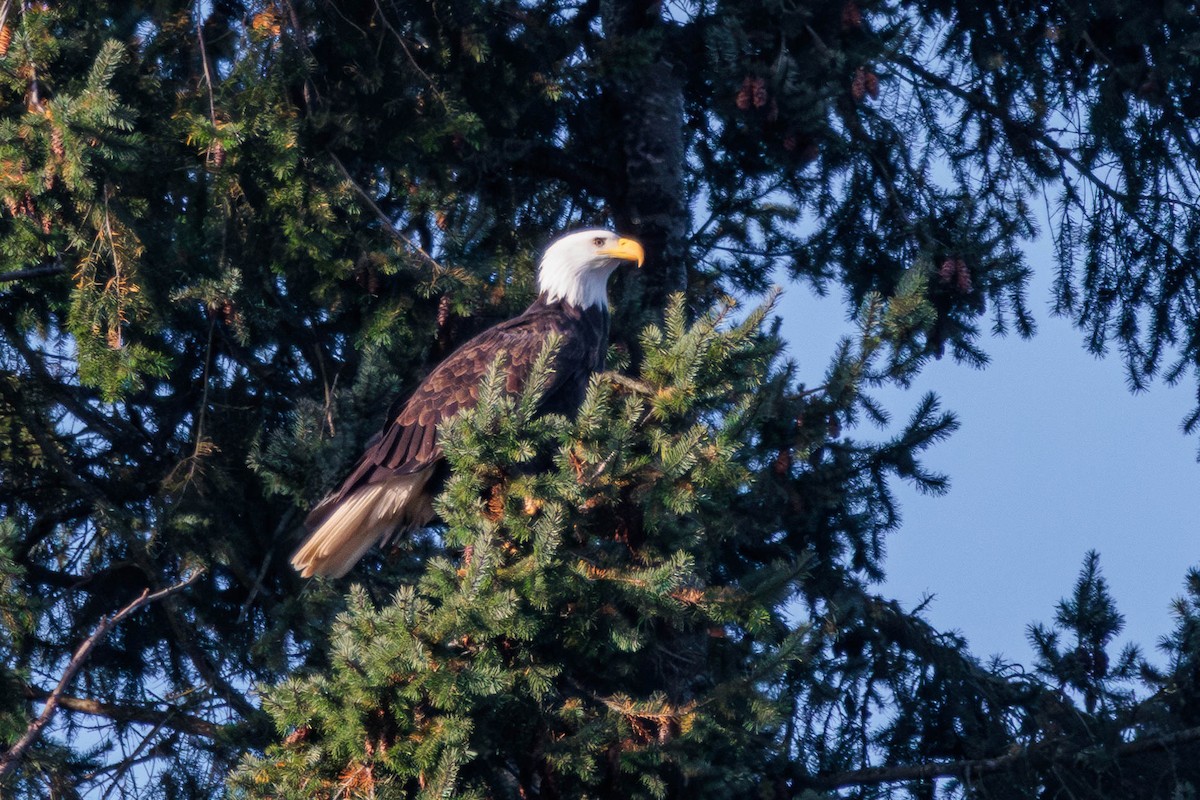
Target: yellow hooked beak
[{"x": 626, "y": 250}]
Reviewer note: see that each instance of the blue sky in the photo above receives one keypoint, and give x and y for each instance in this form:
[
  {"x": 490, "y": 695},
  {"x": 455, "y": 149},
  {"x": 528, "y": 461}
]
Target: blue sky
[{"x": 1054, "y": 457}]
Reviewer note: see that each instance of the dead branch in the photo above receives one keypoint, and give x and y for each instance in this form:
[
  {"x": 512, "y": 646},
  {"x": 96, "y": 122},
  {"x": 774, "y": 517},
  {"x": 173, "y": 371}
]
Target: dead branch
[
  {"x": 631, "y": 385},
  {"x": 13, "y": 756}
]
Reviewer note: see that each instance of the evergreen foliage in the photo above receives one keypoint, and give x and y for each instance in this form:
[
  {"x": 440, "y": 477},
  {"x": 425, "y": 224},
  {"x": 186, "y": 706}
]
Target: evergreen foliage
[
  {"x": 232, "y": 232},
  {"x": 583, "y": 635}
]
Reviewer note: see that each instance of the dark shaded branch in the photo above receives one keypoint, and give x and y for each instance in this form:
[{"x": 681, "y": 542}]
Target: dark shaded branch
[
  {"x": 12, "y": 756},
  {"x": 207, "y": 672},
  {"x": 871, "y": 776},
  {"x": 175, "y": 720},
  {"x": 975, "y": 768},
  {"x": 1147, "y": 744},
  {"x": 49, "y": 443},
  {"x": 32, "y": 272},
  {"x": 65, "y": 394}
]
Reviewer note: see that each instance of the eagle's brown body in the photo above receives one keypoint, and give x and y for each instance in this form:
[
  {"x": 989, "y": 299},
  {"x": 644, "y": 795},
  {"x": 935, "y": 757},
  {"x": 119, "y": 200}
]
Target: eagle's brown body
[
  {"x": 409, "y": 442},
  {"x": 391, "y": 487}
]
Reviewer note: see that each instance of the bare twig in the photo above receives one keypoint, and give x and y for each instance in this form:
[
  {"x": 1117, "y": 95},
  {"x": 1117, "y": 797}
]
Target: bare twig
[
  {"x": 127, "y": 763},
  {"x": 12, "y": 756},
  {"x": 408, "y": 54},
  {"x": 388, "y": 225},
  {"x": 212, "y": 103}
]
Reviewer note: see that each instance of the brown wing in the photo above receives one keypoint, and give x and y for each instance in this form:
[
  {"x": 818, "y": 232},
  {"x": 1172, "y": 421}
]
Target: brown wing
[{"x": 409, "y": 442}]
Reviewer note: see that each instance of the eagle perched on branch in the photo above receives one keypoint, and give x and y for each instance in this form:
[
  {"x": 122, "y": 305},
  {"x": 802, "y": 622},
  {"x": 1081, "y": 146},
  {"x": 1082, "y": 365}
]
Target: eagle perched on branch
[{"x": 389, "y": 490}]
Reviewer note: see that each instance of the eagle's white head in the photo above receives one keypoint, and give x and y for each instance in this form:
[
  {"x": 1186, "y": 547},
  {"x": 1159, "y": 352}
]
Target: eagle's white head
[{"x": 575, "y": 267}]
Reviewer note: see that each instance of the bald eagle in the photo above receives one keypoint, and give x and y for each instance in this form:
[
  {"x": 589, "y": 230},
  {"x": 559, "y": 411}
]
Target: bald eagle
[{"x": 390, "y": 489}]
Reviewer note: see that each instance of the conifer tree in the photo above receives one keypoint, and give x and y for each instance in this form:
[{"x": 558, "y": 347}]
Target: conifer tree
[{"x": 232, "y": 232}]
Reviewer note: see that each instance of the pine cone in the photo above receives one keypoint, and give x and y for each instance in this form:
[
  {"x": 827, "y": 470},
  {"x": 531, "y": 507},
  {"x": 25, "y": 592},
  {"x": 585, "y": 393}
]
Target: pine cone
[
  {"x": 962, "y": 280},
  {"x": 217, "y": 152},
  {"x": 495, "y": 504},
  {"x": 56, "y": 143},
  {"x": 864, "y": 84},
  {"x": 858, "y": 85},
  {"x": 954, "y": 272},
  {"x": 5, "y": 39},
  {"x": 871, "y": 83},
  {"x": 443, "y": 312},
  {"x": 297, "y": 736},
  {"x": 758, "y": 92},
  {"x": 743, "y": 95},
  {"x": 851, "y": 16}
]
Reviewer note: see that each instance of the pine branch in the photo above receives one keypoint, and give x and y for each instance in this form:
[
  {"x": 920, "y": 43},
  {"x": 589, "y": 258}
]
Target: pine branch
[
  {"x": 979, "y": 767},
  {"x": 404, "y": 48},
  {"x": 52, "y": 449},
  {"x": 14, "y": 754},
  {"x": 872, "y": 776},
  {"x": 1037, "y": 134},
  {"x": 175, "y": 720}
]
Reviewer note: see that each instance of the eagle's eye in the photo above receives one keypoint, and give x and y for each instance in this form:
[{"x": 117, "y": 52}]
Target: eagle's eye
[{"x": 598, "y": 241}]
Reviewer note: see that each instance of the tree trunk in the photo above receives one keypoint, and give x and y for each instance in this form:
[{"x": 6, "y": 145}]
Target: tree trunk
[{"x": 648, "y": 97}]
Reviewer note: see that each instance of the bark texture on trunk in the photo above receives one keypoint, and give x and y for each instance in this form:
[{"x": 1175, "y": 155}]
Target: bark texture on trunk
[{"x": 647, "y": 94}]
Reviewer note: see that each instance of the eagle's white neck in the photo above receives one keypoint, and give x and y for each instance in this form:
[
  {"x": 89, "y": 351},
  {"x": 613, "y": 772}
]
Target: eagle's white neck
[{"x": 582, "y": 288}]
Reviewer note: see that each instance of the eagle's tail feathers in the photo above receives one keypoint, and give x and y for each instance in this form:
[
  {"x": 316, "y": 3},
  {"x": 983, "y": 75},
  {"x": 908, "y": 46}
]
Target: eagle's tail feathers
[{"x": 368, "y": 515}]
